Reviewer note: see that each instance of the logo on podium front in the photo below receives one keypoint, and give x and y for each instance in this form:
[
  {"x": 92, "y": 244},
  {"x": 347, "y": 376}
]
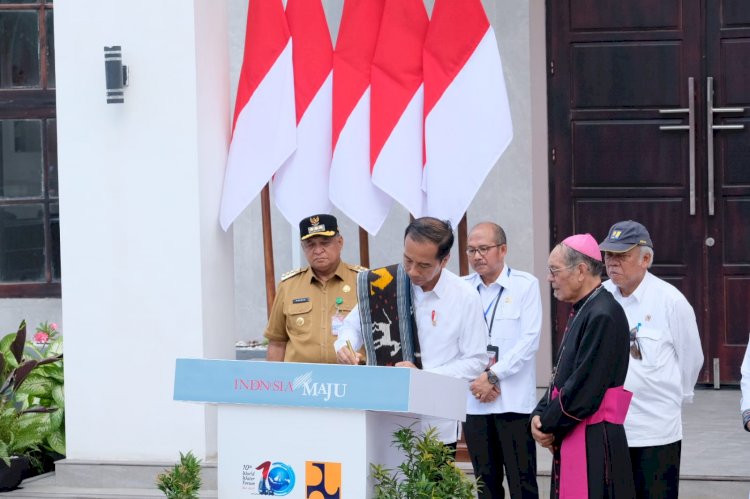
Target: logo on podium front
[
  {"x": 322, "y": 480},
  {"x": 268, "y": 479}
]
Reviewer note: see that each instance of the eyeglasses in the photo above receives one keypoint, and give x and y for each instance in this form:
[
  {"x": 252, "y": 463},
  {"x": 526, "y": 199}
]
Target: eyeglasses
[
  {"x": 635, "y": 345},
  {"x": 482, "y": 250},
  {"x": 554, "y": 272}
]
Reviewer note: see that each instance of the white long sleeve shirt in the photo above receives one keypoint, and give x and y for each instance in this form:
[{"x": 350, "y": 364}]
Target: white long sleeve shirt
[
  {"x": 515, "y": 331},
  {"x": 672, "y": 359},
  {"x": 452, "y": 336},
  {"x": 745, "y": 385}
]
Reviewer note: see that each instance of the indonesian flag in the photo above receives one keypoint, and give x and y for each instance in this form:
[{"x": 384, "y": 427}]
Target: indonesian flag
[
  {"x": 264, "y": 131},
  {"x": 467, "y": 116},
  {"x": 300, "y": 186},
  {"x": 397, "y": 105},
  {"x": 352, "y": 190}
]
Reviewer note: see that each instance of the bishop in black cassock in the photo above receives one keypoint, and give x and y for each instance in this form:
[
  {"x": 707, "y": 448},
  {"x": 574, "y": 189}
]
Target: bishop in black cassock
[{"x": 580, "y": 417}]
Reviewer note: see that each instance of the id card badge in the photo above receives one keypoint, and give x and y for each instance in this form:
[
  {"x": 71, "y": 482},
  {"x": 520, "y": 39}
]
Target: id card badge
[
  {"x": 337, "y": 322},
  {"x": 492, "y": 353}
]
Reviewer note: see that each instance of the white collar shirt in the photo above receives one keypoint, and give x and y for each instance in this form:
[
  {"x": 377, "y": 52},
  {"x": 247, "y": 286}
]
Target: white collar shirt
[
  {"x": 745, "y": 383},
  {"x": 452, "y": 336},
  {"x": 512, "y": 306},
  {"x": 672, "y": 358}
]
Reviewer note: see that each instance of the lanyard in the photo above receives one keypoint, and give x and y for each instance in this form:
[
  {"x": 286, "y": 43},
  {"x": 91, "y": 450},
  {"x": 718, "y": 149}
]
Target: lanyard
[{"x": 496, "y": 300}]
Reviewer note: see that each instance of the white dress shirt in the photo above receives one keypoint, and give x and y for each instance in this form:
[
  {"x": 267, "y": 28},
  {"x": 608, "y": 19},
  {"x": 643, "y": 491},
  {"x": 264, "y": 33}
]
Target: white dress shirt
[
  {"x": 453, "y": 344},
  {"x": 672, "y": 359},
  {"x": 515, "y": 331},
  {"x": 745, "y": 383}
]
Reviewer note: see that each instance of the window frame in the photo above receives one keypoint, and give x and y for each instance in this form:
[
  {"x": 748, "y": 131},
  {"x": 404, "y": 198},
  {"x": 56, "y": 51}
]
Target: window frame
[{"x": 38, "y": 103}]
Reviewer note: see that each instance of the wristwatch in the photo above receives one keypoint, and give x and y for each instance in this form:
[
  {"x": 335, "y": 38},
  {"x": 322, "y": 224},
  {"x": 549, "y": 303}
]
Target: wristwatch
[{"x": 492, "y": 377}]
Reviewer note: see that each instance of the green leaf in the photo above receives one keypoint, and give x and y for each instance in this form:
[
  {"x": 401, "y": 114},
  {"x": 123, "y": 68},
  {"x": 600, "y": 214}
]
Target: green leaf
[
  {"x": 57, "y": 419},
  {"x": 56, "y": 442},
  {"x": 54, "y": 372},
  {"x": 4, "y": 453},
  {"x": 36, "y": 386},
  {"x": 58, "y": 395}
]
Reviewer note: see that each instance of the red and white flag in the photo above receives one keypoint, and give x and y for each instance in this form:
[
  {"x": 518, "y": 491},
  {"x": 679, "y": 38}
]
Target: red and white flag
[
  {"x": 300, "y": 186},
  {"x": 467, "y": 116},
  {"x": 264, "y": 131},
  {"x": 352, "y": 190},
  {"x": 397, "y": 104}
]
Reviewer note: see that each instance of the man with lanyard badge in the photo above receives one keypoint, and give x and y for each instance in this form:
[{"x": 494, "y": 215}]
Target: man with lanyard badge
[{"x": 502, "y": 398}]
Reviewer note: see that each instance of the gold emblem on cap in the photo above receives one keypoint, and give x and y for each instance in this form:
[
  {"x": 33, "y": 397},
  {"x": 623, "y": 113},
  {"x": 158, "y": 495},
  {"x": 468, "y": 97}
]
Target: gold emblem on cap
[
  {"x": 346, "y": 288},
  {"x": 314, "y": 220},
  {"x": 300, "y": 321}
]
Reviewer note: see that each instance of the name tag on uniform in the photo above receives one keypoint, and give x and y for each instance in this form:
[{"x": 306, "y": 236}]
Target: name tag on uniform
[
  {"x": 301, "y": 300},
  {"x": 337, "y": 322}
]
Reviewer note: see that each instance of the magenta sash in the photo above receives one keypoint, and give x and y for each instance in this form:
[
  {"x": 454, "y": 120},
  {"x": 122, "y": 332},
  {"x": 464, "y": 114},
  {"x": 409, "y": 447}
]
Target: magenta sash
[{"x": 573, "y": 467}]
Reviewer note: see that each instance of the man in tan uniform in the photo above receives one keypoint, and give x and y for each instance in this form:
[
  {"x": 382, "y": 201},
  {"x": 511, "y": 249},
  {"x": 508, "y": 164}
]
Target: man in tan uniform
[{"x": 312, "y": 302}]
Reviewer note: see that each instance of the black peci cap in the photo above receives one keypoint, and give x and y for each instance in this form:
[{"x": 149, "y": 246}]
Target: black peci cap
[{"x": 318, "y": 225}]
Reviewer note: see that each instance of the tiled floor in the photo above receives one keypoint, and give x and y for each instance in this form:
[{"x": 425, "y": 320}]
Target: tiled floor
[{"x": 715, "y": 448}]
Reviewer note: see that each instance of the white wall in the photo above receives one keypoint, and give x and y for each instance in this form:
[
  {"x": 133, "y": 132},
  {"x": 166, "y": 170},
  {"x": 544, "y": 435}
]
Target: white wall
[
  {"x": 148, "y": 275},
  {"x": 33, "y": 310}
]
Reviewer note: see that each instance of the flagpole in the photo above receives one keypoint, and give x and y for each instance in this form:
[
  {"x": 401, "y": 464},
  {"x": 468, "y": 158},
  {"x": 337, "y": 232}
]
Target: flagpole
[
  {"x": 364, "y": 248},
  {"x": 463, "y": 258},
  {"x": 265, "y": 204}
]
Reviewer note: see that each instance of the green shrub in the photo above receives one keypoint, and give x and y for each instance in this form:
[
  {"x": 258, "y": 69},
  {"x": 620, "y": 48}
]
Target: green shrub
[
  {"x": 428, "y": 472},
  {"x": 184, "y": 480},
  {"x": 26, "y": 422}
]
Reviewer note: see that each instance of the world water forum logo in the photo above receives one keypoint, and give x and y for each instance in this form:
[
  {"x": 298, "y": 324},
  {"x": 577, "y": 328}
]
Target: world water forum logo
[{"x": 268, "y": 479}]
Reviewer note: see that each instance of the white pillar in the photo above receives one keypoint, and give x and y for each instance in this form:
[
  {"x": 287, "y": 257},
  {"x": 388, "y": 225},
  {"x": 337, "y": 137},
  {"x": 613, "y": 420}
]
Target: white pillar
[{"x": 148, "y": 275}]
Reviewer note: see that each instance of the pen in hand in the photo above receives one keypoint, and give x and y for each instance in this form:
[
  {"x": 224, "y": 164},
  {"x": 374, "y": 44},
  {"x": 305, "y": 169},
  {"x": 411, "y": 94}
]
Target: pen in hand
[{"x": 351, "y": 349}]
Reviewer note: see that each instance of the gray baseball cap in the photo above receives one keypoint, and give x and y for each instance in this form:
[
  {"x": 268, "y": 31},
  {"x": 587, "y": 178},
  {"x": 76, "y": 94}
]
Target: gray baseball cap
[{"x": 625, "y": 235}]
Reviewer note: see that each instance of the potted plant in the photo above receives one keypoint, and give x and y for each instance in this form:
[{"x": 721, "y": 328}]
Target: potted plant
[
  {"x": 24, "y": 424},
  {"x": 183, "y": 481},
  {"x": 45, "y": 387},
  {"x": 428, "y": 472}
]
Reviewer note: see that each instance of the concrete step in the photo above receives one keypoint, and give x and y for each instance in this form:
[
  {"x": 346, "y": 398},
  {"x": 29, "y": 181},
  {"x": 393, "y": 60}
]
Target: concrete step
[
  {"x": 115, "y": 479},
  {"x": 47, "y": 486}
]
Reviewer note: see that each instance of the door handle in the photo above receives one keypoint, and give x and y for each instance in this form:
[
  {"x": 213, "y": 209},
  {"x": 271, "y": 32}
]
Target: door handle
[
  {"x": 710, "y": 127},
  {"x": 690, "y": 127}
]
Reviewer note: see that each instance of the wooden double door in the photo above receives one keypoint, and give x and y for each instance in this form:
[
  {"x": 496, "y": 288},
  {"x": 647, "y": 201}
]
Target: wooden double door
[{"x": 649, "y": 120}]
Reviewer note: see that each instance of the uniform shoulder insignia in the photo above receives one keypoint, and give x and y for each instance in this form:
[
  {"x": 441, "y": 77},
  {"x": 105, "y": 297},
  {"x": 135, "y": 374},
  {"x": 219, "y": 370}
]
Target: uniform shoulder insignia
[
  {"x": 292, "y": 273},
  {"x": 357, "y": 268}
]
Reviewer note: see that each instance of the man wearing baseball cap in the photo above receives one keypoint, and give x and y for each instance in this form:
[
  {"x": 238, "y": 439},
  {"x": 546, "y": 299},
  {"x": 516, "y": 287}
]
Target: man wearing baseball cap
[
  {"x": 665, "y": 358},
  {"x": 312, "y": 302}
]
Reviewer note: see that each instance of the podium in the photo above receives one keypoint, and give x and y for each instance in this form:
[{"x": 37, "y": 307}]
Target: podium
[{"x": 311, "y": 430}]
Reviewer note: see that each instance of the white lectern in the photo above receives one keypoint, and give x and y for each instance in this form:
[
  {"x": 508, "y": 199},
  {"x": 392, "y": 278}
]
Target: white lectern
[{"x": 311, "y": 430}]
